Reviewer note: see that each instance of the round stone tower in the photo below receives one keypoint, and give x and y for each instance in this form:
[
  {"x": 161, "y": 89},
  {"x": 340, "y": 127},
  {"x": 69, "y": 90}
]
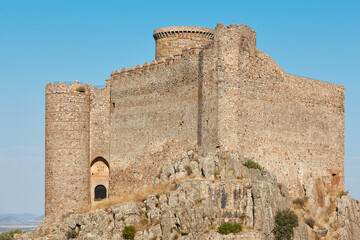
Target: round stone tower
[
  {"x": 67, "y": 177},
  {"x": 172, "y": 40}
]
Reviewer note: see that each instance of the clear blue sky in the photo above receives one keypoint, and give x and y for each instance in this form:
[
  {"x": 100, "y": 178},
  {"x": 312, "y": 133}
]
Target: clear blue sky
[{"x": 46, "y": 41}]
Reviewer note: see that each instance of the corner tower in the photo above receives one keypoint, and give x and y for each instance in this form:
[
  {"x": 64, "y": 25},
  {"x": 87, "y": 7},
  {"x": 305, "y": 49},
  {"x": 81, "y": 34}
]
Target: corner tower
[
  {"x": 172, "y": 40},
  {"x": 67, "y": 118}
]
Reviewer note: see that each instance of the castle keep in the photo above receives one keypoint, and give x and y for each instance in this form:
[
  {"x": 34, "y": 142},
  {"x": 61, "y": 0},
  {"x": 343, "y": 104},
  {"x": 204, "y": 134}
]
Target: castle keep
[{"x": 208, "y": 89}]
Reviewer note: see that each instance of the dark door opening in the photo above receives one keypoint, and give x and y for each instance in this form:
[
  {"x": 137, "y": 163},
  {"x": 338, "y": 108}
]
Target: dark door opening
[{"x": 100, "y": 192}]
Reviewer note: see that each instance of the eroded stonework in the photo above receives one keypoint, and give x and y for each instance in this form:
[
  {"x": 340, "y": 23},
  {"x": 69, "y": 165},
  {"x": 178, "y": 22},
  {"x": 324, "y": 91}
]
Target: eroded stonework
[{"x": 215, "y": 91}]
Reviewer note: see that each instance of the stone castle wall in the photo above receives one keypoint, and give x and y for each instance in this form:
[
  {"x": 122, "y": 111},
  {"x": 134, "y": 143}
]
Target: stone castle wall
[
  {"x": 170, "y": 41},
  {"x": 223, "y": 93},
  {"x": 99, "y": 123},
  {"x": 295, "y": 127},
  {"x": 152, "y": 106},
  {"x": 291, "y": 125},
  {"x": 66, "y": 147}
]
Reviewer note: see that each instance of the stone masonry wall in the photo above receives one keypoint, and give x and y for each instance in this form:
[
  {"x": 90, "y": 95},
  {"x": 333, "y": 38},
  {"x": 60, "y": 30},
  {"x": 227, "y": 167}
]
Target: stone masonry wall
[
  {"x": 171, "y": 41},
  {"x": 66, "y": 148},
  {"x": 153, "y": 106},
  {"x": 293, "y": 126},
  {"x": 100, "y": 123}
]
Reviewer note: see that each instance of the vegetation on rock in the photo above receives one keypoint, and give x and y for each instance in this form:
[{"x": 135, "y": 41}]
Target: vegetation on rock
[
  {"x": 129, "y": 232},
  {"x": 252, "y": 164},
  {"x": 227, "y": 228},
  {"x": 285, "y": 222},
  {"x": 343, "y": 193},
  {"x": 9, "y": 235},
  {"x": 80, "y": 89},
  {"x": 71, "y": 234}
]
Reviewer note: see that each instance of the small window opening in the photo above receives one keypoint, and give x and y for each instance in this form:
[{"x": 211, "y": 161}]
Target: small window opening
[{"x": 100, "y": 192}]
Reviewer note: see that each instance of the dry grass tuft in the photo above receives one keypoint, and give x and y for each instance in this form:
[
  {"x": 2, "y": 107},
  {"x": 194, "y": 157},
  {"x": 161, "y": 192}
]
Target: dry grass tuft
[
  {"x": 158, "y": 189},
  {"x": 143, "y": 223},
  {"x": 332, "y": 207},
  {"x": 321, "y": 192},
  {"x": 299, "y": 201},
  {"x": 139, "y": 196}
]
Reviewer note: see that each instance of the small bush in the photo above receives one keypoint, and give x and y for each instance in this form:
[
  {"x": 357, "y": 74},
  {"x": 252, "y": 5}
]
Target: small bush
[
  {"x": 129, "y": 232},
  {"x": 9, "y": 235},
  {"x": 71, "y": 234},
  {"x": 80, "y": 89},
  {"x": 343, "y": 193},
  {"x": 252, "y": 164},
  {"x": 227, "y": 228},
  {"x": 310, "y": 221},
  {"x": 299, "y": 201},
  {"x": 285, "y": 221}
]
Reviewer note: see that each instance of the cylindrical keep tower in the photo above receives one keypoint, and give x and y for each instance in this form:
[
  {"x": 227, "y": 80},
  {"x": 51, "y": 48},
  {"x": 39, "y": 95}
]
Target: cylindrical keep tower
[
  {"x": 67, "y": 177},
  {"x": 172, "y": 40}
]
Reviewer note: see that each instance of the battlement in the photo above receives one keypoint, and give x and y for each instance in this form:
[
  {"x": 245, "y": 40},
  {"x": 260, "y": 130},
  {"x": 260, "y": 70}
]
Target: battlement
[
  {"x": 64, "y": 87},
  {"x": 160, "y": 64},
  {"x": 183, "y": 32},
  {"x": 71, "y": 87},
  {"x": 172, "y": 40}
]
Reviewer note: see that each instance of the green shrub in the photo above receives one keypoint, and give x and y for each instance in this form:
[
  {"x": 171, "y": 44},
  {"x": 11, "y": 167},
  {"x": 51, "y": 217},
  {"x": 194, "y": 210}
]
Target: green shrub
[
  {"x": 9, "y": 235},
  {"x": 71, "y": 234},
  {"x": 252, "y": 164},
  {"x": 227, "y": 228},
  {"x": 80, "y": 89},
  {"x": 285, "y": 221},
  {"x": 129, "y": 232},
  {"x": 343, "y": 193}
]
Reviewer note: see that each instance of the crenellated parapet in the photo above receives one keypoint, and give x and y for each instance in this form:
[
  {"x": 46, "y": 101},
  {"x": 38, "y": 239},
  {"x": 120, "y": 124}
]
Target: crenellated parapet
[
  {"x": 164, "y": 63},
  {"x": 64, "y": 87},
  {"x": 183, "y": 32},
  {"x": 172, "y": 40},
  {"x": 72, "y": 87}
]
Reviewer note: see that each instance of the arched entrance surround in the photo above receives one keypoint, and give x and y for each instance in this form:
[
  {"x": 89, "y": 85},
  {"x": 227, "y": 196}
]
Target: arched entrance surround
[{"x": 99, "y": 179}]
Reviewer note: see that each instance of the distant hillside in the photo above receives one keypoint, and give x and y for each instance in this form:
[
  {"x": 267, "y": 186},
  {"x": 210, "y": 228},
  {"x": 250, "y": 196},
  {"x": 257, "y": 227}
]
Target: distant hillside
[{"x": 24, "y": 221}]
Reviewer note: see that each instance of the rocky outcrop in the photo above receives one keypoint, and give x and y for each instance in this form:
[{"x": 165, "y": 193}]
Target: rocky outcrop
[
  {"x": 208, "y": 191},
  {"x": 193, "y": 209},
  {"x": 348, "y": 210}
]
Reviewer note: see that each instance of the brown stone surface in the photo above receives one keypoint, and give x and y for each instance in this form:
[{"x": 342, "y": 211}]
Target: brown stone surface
[
  {"x": 193, "y": 210},
  {"x": 221, "y": 94},
  {"x": 348, "y": 215},
  {"x": 170, "y": 41},
  {"x": 66, "y": 147}
]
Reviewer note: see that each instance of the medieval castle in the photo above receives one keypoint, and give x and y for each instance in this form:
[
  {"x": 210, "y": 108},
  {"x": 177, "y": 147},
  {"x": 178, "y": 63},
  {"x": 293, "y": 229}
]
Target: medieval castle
[{"x": 207, "y": 89}]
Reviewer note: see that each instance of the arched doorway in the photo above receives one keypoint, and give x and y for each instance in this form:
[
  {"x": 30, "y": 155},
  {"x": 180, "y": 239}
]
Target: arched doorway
[
  {"x": 99, "y": 179},
  {"x": 100, "y": 192}
]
